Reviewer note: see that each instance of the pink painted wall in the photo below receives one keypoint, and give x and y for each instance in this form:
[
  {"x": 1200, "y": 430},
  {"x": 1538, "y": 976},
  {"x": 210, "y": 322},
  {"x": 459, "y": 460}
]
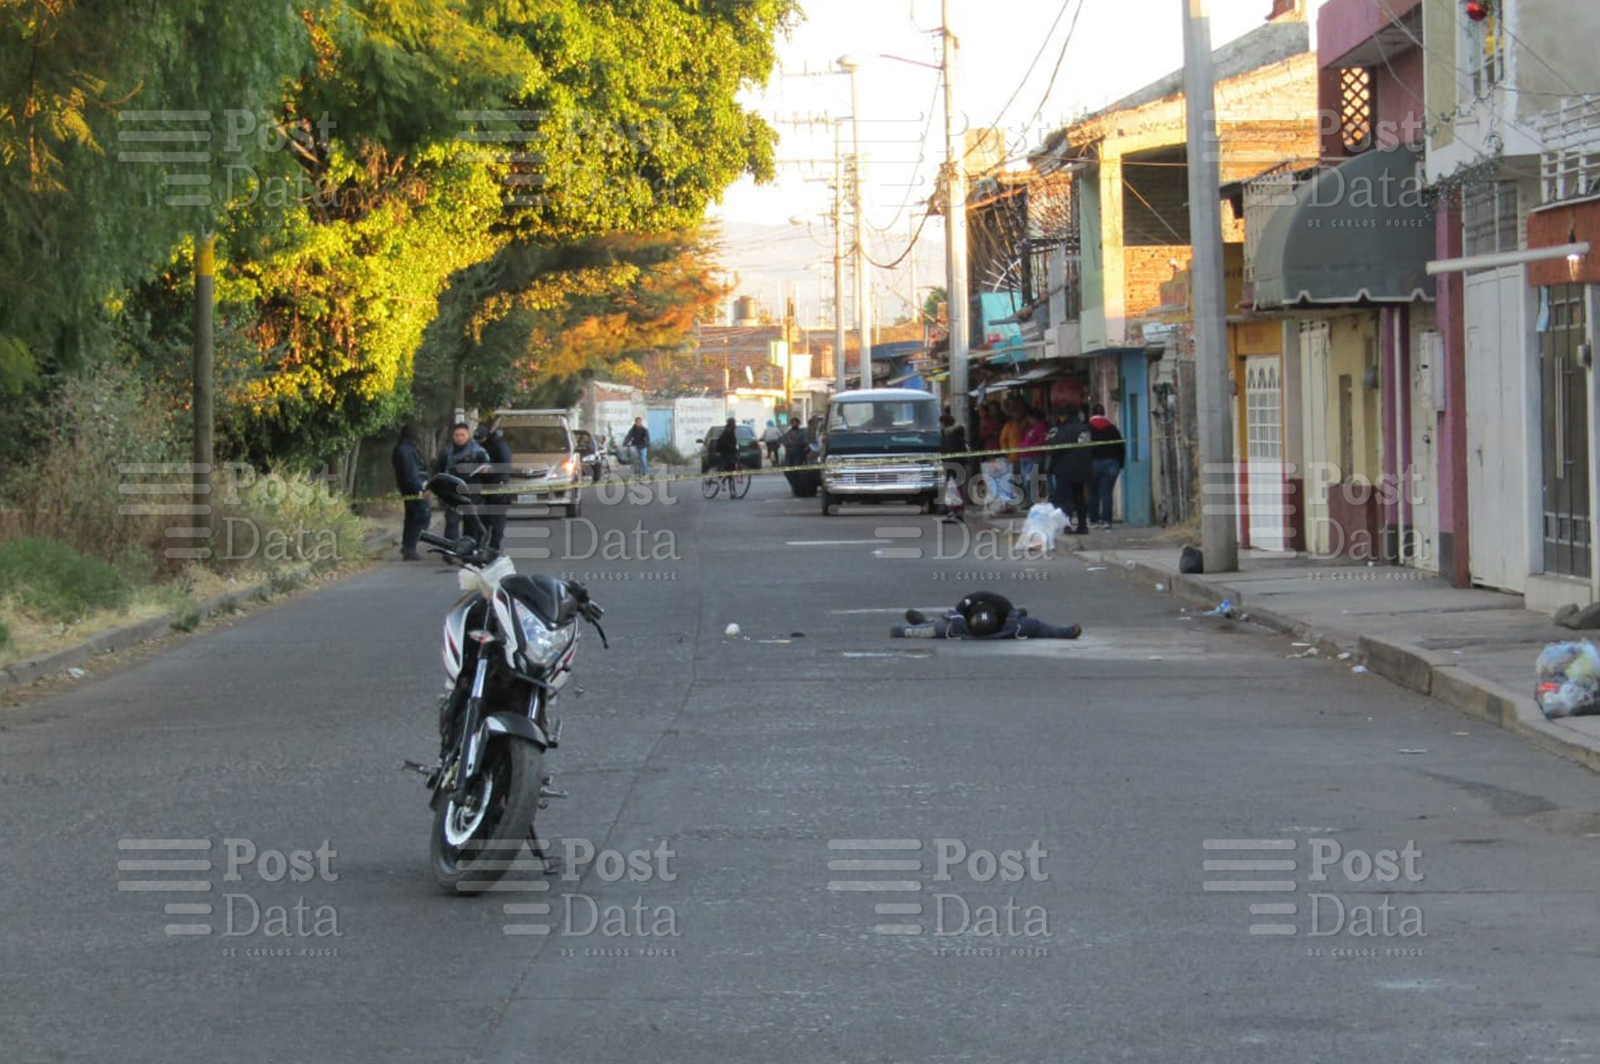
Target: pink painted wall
[
  {"x": 1398, "y": 87},
  {"x": 1343, "y": 25}
]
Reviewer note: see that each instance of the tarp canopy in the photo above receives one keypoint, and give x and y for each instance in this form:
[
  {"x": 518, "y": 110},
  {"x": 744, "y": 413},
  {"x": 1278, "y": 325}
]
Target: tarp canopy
[{"x": 1360, "y": 231}]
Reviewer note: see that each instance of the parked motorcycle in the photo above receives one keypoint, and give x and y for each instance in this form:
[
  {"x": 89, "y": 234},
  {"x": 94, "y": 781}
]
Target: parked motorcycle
[{"x": 509, "y": 647}]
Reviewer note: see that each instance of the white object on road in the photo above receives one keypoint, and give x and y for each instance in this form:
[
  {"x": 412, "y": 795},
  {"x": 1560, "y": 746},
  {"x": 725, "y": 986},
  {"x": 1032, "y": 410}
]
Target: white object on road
[
  {"x": 1345, "y": 656},
  {"x": 1039, "y": 532},
  {"x": 1404, "y": 750},
  {"x": 1161, "y": 588},
  {"x": 1359, "y": 670},
  {"x": 732, "y": 631},
  {"x": 76, "y": 673}
]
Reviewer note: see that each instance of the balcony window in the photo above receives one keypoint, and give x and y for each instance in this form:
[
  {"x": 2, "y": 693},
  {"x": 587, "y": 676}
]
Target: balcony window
[
  {"x": 1487, "y": 47},
  {"x": 1489, "y": 218}
]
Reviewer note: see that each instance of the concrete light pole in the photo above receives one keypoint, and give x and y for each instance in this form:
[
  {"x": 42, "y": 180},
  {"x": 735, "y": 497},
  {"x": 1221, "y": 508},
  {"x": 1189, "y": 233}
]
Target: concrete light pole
[
  {"x": 838, "y": 260},
  {"x": 955, "y": 228},
  {"x": 850, "y": 65},
  {"x": 1218, "y": 482}
]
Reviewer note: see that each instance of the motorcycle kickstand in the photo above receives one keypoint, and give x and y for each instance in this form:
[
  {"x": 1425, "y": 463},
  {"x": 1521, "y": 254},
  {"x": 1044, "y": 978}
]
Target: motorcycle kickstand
[{"x": 548, "y": 863}]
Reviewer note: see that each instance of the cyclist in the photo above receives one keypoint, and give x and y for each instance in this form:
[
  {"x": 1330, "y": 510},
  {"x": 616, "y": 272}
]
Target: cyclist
[{"x": 727, "y": 447}]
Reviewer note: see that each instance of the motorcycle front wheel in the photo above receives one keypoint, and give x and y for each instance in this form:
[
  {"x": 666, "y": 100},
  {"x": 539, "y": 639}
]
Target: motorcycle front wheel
[{"x": 478, "y": 841}]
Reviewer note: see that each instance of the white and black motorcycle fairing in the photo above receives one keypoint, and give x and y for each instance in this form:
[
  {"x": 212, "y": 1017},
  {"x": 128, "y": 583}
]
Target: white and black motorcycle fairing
[{"x": 509, "y": 647}]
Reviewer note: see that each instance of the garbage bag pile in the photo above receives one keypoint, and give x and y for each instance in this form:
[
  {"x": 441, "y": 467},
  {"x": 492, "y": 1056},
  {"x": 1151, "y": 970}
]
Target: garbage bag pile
[
  {"x": 1043, "y": 525},
  {"x": 1569, "y": 680}
]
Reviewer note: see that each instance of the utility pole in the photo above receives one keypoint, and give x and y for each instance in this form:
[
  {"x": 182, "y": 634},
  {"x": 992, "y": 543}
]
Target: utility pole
[
  {"x": 838, "y": 260},
  {"x": 1218, "y": 483},
  {"x": 916, "y": 308},
  {"x": 850, "y": 65},
  {"x": 204, "y": 289},
  {"x": 955, "y": 228}
]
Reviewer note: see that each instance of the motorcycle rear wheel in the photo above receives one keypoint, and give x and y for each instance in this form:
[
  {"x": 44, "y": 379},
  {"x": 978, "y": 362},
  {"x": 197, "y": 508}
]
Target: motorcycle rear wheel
[{"x": 474, "y": 845}]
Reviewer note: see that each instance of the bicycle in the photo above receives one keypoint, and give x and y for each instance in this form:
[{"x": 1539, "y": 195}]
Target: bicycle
[{"x": 738, "y": 481}]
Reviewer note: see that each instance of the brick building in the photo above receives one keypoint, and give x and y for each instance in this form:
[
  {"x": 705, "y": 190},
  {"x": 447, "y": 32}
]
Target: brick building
[{"x": 1114, "y": 341}]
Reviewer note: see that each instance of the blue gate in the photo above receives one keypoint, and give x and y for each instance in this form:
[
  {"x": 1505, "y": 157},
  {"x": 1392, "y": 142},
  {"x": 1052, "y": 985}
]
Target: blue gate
[{"x": 1133, "y": 371}]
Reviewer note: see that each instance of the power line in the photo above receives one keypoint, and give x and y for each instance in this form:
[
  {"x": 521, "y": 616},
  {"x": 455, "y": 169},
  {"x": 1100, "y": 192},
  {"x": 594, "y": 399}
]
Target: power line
[
  {"x": 903, "y": 255},
  {"x": 1045, "y": 43},
  {"x": 1506, "y": 26},
  {"x": 922, "y": 153},
  {"x": 1071, "y": 31}
]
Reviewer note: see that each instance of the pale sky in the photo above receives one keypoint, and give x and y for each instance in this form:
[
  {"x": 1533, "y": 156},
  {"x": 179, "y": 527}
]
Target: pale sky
[{"x": 1118, "y": 46}]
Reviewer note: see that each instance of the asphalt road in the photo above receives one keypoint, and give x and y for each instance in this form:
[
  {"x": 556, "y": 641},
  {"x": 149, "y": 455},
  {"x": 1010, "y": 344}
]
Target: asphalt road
[{"x": 1103, "y": 766}]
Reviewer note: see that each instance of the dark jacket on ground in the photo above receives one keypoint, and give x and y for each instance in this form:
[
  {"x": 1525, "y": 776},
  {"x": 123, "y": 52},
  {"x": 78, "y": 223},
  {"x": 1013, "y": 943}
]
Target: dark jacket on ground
[
  {"x": 1072, "y": 464},
  {"x": 410, "y": 473},
  {"x": 1109, "y": 438}
]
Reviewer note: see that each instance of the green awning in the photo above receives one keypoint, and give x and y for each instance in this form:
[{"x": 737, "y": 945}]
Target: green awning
[{"x": 1357, "y": 232}]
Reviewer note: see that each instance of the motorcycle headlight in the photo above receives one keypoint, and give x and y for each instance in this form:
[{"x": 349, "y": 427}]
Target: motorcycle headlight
[{"x": 543, "y": 645}]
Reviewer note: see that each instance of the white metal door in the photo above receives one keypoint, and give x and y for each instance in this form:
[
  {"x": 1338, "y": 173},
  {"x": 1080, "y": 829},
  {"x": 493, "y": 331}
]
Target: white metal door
[
  {"x": 1496, "y": 450},
  {"x": 1264, "y": 440},
  {"x": 1314, "y": 473},
  {"x": 1422, "y": 480}
]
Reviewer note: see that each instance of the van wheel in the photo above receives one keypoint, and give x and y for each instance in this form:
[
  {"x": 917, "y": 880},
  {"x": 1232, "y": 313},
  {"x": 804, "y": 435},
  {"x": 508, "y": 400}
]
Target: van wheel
[
  {"x": 574, "y": 508},
  {"x": 827, "y": 502}
]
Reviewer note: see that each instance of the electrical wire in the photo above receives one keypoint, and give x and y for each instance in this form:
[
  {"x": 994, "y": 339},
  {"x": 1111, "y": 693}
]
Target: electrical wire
[
  {"x": 922, "y": 154},
  {"x": 1506, "y": 26},
  {"x": 903, "y": 255},
  {"x": 1071, "y": 32},
  {"x": 1043, "y": 44}
]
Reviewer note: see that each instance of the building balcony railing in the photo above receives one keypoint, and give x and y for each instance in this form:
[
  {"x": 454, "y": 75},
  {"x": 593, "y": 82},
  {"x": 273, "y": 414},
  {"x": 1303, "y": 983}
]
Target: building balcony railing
[{"x": 1570, "y": 165}]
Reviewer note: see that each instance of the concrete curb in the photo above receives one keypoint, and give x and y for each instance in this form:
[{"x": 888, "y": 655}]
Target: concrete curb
[
  {"x": 1439, "y": 676},
  {"x": 24, "y": 673}
]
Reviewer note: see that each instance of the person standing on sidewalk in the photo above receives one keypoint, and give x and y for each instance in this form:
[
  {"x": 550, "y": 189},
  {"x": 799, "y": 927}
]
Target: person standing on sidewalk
[
  {"x": 1072, "y": 464},
  {"x": 796, "y": 443},
  {"x": 638, "y": 438},
  {"x": 770, "y": 437},
  {"x": 1011, "y": 442},
  {"x": 1033, "y": 439},
  {"x": 497, "y": 504},
  {"x": 989, "y": 428},
  {"x": 1110, "y": 452},
  {"x": 461, "y": 457},
  {"x": 411, "y": 480}
]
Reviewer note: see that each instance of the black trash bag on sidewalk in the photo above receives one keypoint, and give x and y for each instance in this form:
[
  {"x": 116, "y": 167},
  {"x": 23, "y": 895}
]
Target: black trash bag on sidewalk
[{"x": 1191, "y": 562}]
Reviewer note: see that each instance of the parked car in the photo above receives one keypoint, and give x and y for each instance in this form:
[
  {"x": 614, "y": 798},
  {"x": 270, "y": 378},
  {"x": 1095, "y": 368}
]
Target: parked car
[
  {"x": 749, "y": 448},
  {"x": 593, "y": 458},
  {"x": 881, "y": 445},
  {"x": 546, "y": 469}
]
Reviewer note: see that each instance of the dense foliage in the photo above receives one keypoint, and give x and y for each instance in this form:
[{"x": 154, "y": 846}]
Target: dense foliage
[{"x": 476, "y": 196}]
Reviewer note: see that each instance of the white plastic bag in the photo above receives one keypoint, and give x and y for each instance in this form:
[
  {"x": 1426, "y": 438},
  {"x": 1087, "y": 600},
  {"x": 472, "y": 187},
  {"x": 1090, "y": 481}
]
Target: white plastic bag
[
  {"x": 1039, "y": 531},
  {"x": 1569, "y": 680},
  {"x": 952, "y": 495}
]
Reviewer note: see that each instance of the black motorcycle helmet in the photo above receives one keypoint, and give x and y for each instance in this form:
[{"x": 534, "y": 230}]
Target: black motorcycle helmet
[{"x": 984, "y": 620}]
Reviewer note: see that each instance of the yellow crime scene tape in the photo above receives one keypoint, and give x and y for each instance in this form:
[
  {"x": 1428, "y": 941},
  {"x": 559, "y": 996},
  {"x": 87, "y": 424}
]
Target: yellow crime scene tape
[{"x": 856, "y": 462}]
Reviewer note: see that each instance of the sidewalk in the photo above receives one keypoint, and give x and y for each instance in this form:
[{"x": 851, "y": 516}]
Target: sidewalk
[{"x": 1472, "y": 649}]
